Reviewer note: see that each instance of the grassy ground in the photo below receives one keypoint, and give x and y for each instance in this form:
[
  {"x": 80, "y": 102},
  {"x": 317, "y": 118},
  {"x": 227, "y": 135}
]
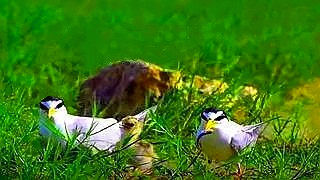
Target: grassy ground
[{"x": 49, "y": 48}]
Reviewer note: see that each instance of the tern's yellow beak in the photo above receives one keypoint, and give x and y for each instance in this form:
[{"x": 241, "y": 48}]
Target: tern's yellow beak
[
  {"x": 51, "y": 112},
  {"x": 211, "y": 124}
]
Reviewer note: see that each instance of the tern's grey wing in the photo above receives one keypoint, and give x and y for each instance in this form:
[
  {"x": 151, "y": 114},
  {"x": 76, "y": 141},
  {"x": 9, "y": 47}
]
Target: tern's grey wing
[
  {"x": 102, "y": 134},
  {"x": 246, "y": 136}
]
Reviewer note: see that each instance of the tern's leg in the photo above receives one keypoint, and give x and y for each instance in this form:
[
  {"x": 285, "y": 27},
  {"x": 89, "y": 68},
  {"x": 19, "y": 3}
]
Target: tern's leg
[{"x": 240, "y": 172}]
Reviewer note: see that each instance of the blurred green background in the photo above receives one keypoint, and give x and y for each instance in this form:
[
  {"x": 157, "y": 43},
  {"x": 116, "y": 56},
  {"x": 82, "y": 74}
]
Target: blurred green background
[
  {"x": 51, "y": 47},
  {"x": 252, "y": 39}
]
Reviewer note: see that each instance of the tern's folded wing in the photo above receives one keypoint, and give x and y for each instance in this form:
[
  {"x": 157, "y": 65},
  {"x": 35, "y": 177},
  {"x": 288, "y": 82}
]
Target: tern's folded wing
[{"x": 246, "y": 136}]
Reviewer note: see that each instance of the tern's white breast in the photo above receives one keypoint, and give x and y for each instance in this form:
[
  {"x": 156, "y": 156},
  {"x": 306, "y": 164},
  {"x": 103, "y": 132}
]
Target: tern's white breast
[{"x": 217, "y": 145}]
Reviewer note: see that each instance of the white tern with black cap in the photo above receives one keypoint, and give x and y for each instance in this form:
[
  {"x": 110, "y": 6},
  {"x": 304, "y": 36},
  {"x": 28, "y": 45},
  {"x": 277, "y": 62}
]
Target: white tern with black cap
[
  {"x": 220, "y": 138},
  {"x": 101, "y": 134}
]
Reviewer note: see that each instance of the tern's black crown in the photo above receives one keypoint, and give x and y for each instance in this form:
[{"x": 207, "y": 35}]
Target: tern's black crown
[
  {"x": 206, "y": 111},
  {"x": 50, "y": 98}
]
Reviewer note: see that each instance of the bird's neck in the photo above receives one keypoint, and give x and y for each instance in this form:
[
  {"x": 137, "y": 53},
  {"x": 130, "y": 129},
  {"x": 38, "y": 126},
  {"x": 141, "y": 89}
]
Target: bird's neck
[{"x": 62, "y": 121}]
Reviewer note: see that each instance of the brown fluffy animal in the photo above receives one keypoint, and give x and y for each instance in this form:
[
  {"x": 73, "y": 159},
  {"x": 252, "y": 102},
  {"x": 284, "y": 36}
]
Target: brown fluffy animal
[{"x": 121, "y": 89}]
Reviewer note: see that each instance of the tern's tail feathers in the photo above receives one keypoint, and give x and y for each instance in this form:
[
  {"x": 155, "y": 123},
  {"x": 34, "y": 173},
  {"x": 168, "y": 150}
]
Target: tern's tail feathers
[
  {"x": 255, "y": 130},
  {"x": 142, "y": 115}
]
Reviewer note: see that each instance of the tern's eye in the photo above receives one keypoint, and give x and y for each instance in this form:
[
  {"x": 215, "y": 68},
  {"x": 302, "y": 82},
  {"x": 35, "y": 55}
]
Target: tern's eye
[
  {"x": 59, "y": 105},
  {"x": 43, "y": 107}
]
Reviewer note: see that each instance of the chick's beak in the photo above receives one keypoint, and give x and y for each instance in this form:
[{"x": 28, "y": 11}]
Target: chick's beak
[
  {"x": 211, "y": 124},
  {"x": 51, "y": 112}
]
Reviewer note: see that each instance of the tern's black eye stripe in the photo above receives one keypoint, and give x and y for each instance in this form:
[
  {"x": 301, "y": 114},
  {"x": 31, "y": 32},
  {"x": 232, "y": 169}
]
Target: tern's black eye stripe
[
  {"x": 59, "y": 105},
  {"x": 203, "y": 116},
  {"x": 219, "y": 118},
  {"x": 43, "y": 107}
]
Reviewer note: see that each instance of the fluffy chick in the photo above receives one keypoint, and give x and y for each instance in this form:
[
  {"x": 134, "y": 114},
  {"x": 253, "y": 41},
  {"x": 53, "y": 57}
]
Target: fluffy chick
[{"x": 144, "y": 152}]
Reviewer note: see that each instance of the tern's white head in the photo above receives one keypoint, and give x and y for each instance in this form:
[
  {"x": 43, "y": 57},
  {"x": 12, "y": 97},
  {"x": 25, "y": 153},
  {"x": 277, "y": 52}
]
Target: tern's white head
[
  {"x": 52, "y": 107},
  {"x": 210, "y": 117}
]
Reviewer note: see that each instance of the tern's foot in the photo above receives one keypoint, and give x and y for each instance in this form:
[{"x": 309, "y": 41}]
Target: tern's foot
[{"x": 239, "y": 174}]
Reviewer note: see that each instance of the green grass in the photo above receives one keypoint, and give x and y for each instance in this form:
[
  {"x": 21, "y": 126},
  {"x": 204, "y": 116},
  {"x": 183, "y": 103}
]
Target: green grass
[{"x": 50, "y": 48}]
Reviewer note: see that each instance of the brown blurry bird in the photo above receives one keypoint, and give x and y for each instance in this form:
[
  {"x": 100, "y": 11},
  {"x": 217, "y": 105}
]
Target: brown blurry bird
[{"x": 123, "y": 88}]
